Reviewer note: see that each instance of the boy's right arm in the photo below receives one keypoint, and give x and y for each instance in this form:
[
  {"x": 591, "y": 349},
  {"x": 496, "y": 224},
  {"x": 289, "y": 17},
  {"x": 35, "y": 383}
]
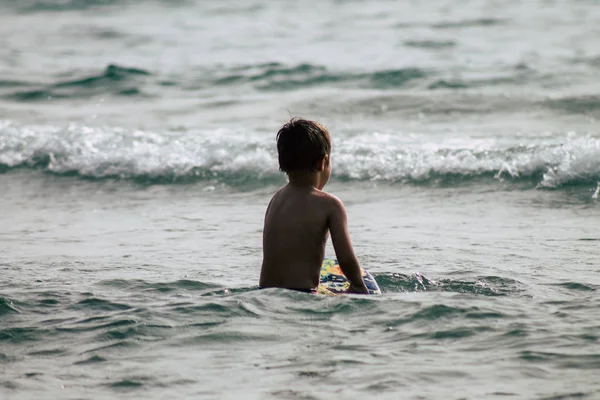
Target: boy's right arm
[{"x": 340, "y": 237}]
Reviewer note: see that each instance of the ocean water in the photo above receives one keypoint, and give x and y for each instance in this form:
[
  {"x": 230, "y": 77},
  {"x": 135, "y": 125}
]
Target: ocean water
[{"x": 137, "y": 157}]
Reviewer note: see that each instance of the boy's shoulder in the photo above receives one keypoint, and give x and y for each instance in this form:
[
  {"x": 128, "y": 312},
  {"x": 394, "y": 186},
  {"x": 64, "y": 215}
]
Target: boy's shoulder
[
  {"x": 324, "y": 199},
  {"x": 330, "y": 199}
]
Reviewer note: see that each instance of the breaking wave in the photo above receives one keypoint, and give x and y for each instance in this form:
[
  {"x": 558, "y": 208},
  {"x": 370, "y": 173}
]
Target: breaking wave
[{"x": 238, "y": 158}]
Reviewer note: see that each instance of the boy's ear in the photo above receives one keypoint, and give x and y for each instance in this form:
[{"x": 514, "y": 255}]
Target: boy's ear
[{"x": 323, "y": 163}]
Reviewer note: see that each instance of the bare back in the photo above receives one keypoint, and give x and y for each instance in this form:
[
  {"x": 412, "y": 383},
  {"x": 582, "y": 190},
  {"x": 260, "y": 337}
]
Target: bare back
[{"x": 294, "y": 238}]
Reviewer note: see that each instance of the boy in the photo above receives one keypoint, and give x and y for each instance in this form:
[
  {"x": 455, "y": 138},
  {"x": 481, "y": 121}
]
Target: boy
[{"x": 300, "y": 216}]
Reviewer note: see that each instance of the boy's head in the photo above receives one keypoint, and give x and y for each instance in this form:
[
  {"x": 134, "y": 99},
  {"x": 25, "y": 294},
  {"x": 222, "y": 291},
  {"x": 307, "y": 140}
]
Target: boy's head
[{"x": 302, "y": 146}]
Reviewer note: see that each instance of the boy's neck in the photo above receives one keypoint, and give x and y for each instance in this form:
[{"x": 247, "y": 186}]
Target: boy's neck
[{"x": 304, "y": 179}]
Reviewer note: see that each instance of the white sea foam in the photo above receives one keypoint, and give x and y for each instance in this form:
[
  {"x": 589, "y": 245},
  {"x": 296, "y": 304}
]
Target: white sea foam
[{"x": 229, "y": 156}]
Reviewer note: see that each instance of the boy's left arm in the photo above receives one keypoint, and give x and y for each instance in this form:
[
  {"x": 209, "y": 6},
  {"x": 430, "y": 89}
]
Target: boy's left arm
[{"x": 340, "y": 237}]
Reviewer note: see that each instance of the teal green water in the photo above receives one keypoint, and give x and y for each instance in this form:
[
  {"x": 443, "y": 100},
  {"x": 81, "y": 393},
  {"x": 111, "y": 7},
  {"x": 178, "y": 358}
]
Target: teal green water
[{"x": 137, "y": 157}]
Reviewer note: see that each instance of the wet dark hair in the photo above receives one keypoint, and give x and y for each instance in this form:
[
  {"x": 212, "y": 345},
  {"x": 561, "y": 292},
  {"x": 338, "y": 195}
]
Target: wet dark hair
[{"x": 301, "y": 145}]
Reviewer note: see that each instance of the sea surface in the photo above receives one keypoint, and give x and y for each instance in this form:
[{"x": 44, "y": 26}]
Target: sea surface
[{"x": 137, "y": 158}]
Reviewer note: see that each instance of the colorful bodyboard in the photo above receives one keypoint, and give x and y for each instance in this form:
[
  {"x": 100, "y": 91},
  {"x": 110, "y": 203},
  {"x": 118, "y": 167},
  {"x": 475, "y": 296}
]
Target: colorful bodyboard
[{"x": 333, "y": 281}]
